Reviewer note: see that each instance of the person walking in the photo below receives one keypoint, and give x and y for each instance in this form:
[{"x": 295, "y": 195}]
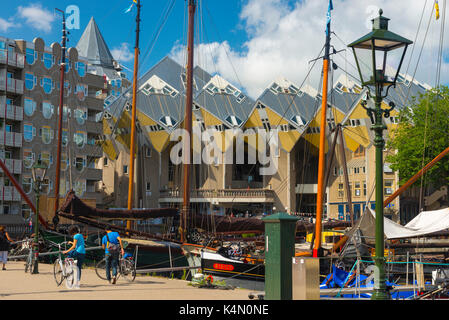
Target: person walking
[
  {"x": 112, "y": 244},
  {"x": 77, "y": 250},
  {"x": 4, "y": 246}
]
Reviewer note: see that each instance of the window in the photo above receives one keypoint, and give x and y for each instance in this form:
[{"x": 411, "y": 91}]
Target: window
[
  {"x": 47, "y": 84},
  {"x": 148, "y": 152},
  {"x": 46, "y": 134},
  {"x": 27, "y": 184},
  {"x": 364, "y": 188},
  {"x": 360, "y": 152},
  {"x": 80, "y": 138},
  {"x": 81, "y": 91},
  {"x": 357, "y": 191},
  {"x": 148, "y": 187},
  {"x": 266, "y": 124},
  {"x": 105, "y": 161},
  {"x": 46, "y": 158},
  {"x": 47, "y": 109},
  {"x": 235, "y": 121},
  {"x": 31, "y": 55},
  {"x": 28, "y": 132},
  {"x": 354, "y": 122},
  {"x": 30, "y": 80},
  {"x": 80, "y": 163},
  {"x": 340, "y": 190},
  {"x": 47, "y": 59},
  {"x": 81, "y": 68},
  {"x": 388, "y": 186},
  {"x": 80, "y": 115},
  {"x": 125, "y": 169},
  {"x": 28, "y": 158},
  {"x": 29, "y": 105}
]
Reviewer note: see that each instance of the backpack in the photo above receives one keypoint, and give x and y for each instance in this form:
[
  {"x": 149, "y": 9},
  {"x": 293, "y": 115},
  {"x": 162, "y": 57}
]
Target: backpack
[{"x": 113, "y": 249}]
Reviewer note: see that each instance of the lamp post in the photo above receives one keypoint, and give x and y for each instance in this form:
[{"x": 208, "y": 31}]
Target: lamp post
[
  {"x": 38, "y": 172},
  {"x": 375, "y": 47}
]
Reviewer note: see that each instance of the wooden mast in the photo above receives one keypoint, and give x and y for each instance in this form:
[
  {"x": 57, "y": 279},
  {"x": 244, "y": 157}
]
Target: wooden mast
[
  {"x": 317, "y": 250},
  {"x": 133, "y": 117},
  {"x": 61, "y": 109},
  {"x": 187, "y": 147}
]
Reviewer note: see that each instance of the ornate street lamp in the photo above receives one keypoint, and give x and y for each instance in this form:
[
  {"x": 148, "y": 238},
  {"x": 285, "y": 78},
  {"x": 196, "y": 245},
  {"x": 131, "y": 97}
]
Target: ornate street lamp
[
  {"x": 38, "y": 172},
  {"x": 372, "y": 52}
]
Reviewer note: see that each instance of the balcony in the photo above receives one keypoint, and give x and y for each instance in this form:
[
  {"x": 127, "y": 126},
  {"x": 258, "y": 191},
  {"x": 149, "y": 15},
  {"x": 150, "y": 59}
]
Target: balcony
[
  {"x": 10, "y": 111},
  {"x": 217, "y": 196},
  {"x": 14, "y": 165},
  {"x": 11, "y": 85},
  {"x": 11, "y": 139},
  {"x": 9, "y": 193},
  {"x": 93, "y": 174},
  {"x": 14, "y": 59}
]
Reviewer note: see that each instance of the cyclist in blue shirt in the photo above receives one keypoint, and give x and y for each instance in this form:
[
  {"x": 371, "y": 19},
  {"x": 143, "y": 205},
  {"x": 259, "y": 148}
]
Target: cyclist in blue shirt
[
  {"x": 112, "y": 243},
  {"x": 77, "y": 250}
]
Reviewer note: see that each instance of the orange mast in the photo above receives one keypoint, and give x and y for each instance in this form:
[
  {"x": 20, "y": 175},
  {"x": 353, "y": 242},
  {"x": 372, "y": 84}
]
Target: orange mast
[{"x": 321, "y": 160}]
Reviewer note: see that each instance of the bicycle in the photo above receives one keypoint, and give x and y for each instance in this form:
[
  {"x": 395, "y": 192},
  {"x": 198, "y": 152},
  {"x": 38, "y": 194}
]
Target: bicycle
[
  {"x": 126, "y": 268},
  {"x": 65, "y": 269},
  {"x": 29, "y": 261}
]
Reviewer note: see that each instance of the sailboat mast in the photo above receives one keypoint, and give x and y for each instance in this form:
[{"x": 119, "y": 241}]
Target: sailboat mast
[
  {"x": 321, "y": 160},
  {"x": 61, "y": 103},
  {"x": 133, "y": 117},
  {"x": 188, "y": 123}
]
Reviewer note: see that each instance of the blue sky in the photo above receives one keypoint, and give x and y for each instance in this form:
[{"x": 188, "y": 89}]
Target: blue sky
[
  {"x": 118, "y": 27},
  {"x": 251, "y": 43}
]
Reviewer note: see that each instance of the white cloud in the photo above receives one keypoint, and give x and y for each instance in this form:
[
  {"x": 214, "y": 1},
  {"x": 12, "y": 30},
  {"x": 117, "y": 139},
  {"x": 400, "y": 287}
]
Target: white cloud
[
  {"x": 122, "y": 53},
  {"x": 36, "y": 16},
  {"x": 283, "y": 37},
  {"x": 6, "y": 24}
]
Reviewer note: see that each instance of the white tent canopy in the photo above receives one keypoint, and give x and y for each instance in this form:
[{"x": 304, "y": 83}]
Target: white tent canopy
[{"x": 424, "y": 223}]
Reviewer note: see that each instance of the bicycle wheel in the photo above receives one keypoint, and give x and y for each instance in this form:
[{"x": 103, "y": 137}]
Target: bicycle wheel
[
  {"x": 29, "y": 264},
  {"x": 72, "y": 272},
  {"x": 100, "y": 269},
  {"x": 128, "y": 270},
  {"x": 58, "y": 272}
]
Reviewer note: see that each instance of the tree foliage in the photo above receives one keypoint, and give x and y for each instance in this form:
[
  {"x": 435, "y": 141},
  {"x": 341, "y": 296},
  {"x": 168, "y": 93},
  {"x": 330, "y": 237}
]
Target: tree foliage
[{"x": 422, "y": 134}]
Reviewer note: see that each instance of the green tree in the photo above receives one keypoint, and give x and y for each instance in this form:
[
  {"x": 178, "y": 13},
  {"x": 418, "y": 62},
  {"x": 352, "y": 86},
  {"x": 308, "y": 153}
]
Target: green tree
[{"x": 422, "y": 133}]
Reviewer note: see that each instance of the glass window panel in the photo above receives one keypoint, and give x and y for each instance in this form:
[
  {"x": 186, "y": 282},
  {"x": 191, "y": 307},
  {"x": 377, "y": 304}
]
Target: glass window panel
[
  {"x": 29, "y": 106},
  {"x": 29, "y": 81},
  {"x": 47, "y": 58},
  {"x": 28, "y": 132},
  {"x": 47, "y": 110},
  {"x": 29, "y": 55},
  {"x": 28, "y": 158}
]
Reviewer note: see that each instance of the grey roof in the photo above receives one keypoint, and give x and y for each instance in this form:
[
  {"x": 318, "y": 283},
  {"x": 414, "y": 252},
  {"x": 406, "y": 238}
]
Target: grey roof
[
  {"x": 290, "y": 105},
  {"x": 93, "y": 47},
  {"x": 343, "y": 101},
  {"x": 223, "y": 105}
]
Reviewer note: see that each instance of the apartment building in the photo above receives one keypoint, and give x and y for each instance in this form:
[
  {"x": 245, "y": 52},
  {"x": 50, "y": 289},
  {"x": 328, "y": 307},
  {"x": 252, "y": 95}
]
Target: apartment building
[{"x": 29, "y": 96}]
